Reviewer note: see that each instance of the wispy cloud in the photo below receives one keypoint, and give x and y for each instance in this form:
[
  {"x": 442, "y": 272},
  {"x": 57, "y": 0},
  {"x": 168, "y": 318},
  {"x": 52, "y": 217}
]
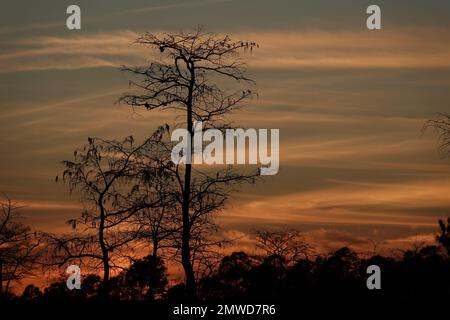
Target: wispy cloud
[
  {"x": 402, "y": 48},
  {"x": 416, "y": 204},
  {"x": 38, "y": 109},
  {"x": 407, "y": 48},
  {"x": 70, "y": 53},
  {"x": 102, "y": 17},
  {"x": 174, "y": 5}
]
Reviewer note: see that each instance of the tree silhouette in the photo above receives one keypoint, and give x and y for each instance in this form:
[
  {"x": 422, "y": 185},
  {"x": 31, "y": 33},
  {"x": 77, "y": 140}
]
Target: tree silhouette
[
  {"x": 146, "y": 278},
  {"x": 229, "y": 279},
  {"x": 444, "y": 237},
  {"x": 287, "y": 245},
  {"x": 110, "y": 176},
  {"x": 420, "y": 272},
  {"x": 441, "y": 125},
  {"x": 19, "y": 246},
  {"x": 31, "y": 292},
  {"x": 186, "y": 79}
]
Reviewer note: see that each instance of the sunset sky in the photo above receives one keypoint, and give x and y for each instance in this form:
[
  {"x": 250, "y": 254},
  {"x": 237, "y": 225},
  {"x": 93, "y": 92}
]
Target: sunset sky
[{"x": 349, "y": 102}]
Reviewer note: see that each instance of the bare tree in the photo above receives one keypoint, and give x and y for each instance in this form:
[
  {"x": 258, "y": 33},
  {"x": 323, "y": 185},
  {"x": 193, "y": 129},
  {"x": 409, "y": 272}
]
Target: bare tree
[
  {"x": 157, "y": 224},
  {"x": 18, "y": 246},
  {"x": 287, "y": 244},
  {"x": 441, "y": 125},
  {"x": 109, "y": 176},
  {"x": 186, "y": 79}
]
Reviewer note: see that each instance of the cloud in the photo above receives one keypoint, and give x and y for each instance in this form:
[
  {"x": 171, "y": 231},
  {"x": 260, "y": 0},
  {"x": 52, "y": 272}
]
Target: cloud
[
  {"x": 171, "y": 6},
  {"x": 6, "y": 30},
  {"x": 38, "y": 109},
  {"x": 71, "y": 52},
  {"x": 410, "y": 241},
  {"x": 50, "y": 205},
  {"x": 352, "y": 203},
  {"x": 325, "y": 240},
  {"x": 365, "y": 151},
  {"x": 108, "y": 15},
  {"x": 403, "y": 48}
]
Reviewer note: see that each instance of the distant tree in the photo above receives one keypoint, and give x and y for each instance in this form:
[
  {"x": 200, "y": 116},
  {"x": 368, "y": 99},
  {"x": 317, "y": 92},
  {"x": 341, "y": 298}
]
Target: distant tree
[
  {"x": 58, "y": 291},
  {"x": 186, "y": 80},
  {"x": 91, "y": 287},
  {"x": 229, "y": 280},
  {"x": 18, "y": 246},
  {"x": 429, "y": 268},
  {"x": 234, "y": 267},
  {"x": 343, "y": 260},
  {"x": 31, "y": 292},
  {"x": 444, "y": 237},
  {"x": 117, "y": 287},
  {"x": 338, "y": 272},
  {"x": 146, "y": 278},
  {"x": 233, "y": 272},
  {"x": 287, "y": 245}
]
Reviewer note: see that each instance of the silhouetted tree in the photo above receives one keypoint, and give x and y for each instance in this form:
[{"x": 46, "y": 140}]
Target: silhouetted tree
[
  {"x": 109, "y": 176},
  {"x": 338, "y": 272},
  {"x": 146, "y": 278},
  {"x": 441, "y": 125},
  {"x": 18, "y": 246},
  {"x": 229, "y": 281},
  {"x": 31, "y": 292},
  {"x": 91, "y": 286},
  {"x": 444, "y": 237},
  {"x": 186, "y": 80},
  {"x": 287, "y": 245},
  {"x": 420, "y": 272},
  {"x": 158, "y": 226}
]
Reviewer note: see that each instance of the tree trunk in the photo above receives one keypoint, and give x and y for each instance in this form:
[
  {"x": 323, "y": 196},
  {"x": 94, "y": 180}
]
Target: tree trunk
[
  {"x": 185, "y": 243},
  {"x": 105, "y": 257},
  {"x": 155, "y": 248},
  {"x": 105, "y": 284},
  {"x": 1, "y": 278}
]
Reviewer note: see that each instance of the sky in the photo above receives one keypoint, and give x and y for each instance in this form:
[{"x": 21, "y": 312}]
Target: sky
[{"x": 350, "y": 104}]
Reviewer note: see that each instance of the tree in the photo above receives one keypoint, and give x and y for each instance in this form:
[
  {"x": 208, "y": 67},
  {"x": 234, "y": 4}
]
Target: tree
[
  {"x": 444, "y": 237},
  {"x": 229, "y": 280},
  {"x": 31, "y": 292},
  {"x": 186, "y": 79},
  {"x": 146, "y": 278},
  {"x": 441, "y": 125},
  {"x": 109, "y": 175},
  {"x": 18, "y": 246},
  {"x": 158, "y": 224},
  {"x": 287, "y": 244}
]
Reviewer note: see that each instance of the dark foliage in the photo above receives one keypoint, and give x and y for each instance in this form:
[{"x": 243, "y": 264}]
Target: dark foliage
[{"x": 424, "y": 273}]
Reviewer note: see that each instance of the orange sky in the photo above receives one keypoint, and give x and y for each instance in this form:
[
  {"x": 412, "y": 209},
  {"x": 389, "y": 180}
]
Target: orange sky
[{"x": 350, "y": 104}]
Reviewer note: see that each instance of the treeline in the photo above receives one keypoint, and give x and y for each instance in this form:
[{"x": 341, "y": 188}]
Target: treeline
[{"x": 286, "y": 270}]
